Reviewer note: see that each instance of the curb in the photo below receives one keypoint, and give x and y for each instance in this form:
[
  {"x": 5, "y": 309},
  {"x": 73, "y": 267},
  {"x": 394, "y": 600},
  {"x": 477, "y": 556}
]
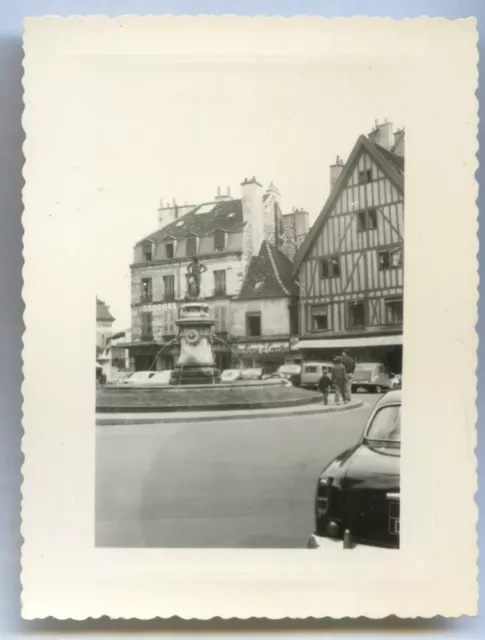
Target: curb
[
  {"x": 107, "y": 422},
  {"x": 231, "y": 406}
]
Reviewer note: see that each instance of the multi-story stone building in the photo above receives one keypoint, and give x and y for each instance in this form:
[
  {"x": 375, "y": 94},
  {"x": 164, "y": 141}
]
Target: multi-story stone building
[
  {"x": 350, "y": 266},
  {"x": 224, "y": 235}
]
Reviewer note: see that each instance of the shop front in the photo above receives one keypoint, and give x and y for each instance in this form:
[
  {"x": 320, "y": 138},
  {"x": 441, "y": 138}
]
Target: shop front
[
  {"x": 267, "y": 354},
  {"x": 143, "y": 355},
  {"x": 162, "y": 357},
  {"x": 385, "y": 349}
]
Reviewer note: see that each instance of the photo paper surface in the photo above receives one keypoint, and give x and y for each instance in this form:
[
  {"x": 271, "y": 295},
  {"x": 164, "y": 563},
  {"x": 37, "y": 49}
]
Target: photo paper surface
[{"x": 260, "y": 233}]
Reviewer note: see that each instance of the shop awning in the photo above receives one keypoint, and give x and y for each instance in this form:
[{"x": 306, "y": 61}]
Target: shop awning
[{"x": 342, "y": 343}]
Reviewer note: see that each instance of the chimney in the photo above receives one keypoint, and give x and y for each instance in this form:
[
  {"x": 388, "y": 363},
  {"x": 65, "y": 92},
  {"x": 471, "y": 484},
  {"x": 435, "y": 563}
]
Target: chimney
[
  {"x": 222, "y": 196},
  {"x": 253, "y": 212},
  {"x": 398, "y": 146},
  {"x": 229, "y": 191},
  {"x": 301, "y": 223},
  {"x": 382, "y": 135},
  {"x": 335, "y": 171},
  {"x": 167, "y": 213}
]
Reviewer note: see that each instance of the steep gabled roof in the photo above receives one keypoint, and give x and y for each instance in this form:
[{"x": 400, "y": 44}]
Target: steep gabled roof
[
  {"x": 391, "y": 165},
  {"x": 269, "y": 275},
  {"x": 393, "y": 158},
  {"x": 225, "y": 215},
  {"x": 102, "y": 312}
]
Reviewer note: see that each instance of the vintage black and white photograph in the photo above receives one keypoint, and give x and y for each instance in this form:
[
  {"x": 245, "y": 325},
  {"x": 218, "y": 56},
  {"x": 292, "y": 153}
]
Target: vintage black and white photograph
[
  {"x": 262, "y": 236},
  {"x": 249, "y": 351}
]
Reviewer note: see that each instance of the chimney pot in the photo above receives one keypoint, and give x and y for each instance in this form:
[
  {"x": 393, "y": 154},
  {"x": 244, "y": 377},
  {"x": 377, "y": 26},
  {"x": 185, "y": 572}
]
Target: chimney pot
[
  {"x": 218, "y": 191},
  {"x": 228, "y": 191}
]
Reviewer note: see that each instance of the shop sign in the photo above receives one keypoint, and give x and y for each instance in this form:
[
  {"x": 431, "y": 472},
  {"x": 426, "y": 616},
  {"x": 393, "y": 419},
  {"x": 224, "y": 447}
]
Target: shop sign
[
  {"x": 260, "y": 348},
  {"x": 175, "y": 350}
]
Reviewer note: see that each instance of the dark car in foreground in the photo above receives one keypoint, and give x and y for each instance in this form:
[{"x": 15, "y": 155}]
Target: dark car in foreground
[{"x": 357, "y": 500}]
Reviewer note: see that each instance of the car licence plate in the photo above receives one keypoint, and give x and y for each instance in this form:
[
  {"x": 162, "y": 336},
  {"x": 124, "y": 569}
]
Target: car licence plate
[{"x": 394, "y": 519}]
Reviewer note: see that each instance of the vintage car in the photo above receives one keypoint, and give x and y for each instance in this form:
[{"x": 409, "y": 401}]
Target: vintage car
[
  {"x": 311, "y": 372},
  {"x": 371, "y": 376},
  {"x": 231, "y": 375},
  {"x": 138, "y": 378},
  {"x": 357, "y": 498}
]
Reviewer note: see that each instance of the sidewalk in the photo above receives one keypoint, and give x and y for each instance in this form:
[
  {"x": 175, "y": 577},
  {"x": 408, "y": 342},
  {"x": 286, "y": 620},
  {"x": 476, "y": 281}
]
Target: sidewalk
[{"x": 113, "y": 419}]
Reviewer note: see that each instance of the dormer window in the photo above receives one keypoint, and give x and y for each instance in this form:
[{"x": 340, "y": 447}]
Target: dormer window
[
  {"x": 169, "y": 250},
  {"x": 147, "y": 253},
  {"x": 219, "y": 240},
  {"x": 191, "y": 246}
]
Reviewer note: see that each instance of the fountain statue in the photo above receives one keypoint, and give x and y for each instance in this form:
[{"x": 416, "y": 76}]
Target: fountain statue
[
  {"x": 195, "y": 333},
  {"x": 194, "y": 276}
]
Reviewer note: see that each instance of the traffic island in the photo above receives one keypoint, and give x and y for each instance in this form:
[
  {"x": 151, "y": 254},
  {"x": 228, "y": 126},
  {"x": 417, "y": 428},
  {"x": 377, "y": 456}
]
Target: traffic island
[{"x": 207, "y": 398}]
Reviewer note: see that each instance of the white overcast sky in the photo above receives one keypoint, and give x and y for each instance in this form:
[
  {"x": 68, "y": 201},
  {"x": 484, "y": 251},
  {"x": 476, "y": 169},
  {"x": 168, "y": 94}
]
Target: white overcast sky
[{"x": 167, "y": 128}]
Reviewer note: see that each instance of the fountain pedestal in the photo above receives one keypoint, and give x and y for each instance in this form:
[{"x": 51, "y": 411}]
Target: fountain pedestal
[{"x": 196, "y": 362}]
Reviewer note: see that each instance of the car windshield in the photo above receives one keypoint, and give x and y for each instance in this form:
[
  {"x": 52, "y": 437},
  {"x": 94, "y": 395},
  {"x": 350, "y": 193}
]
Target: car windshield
[{"x": 386, "y": 425}]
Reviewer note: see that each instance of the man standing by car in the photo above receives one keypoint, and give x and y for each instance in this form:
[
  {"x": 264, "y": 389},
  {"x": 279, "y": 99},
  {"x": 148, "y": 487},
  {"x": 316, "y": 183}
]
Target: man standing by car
[
  {"x": 349, "y": 369},
  {"x": 339, "y": 380}
]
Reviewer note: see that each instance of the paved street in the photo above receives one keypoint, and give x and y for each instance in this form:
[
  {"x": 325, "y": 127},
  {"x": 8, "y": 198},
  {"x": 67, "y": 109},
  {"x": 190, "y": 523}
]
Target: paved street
[{"x": 240, "y": 483}]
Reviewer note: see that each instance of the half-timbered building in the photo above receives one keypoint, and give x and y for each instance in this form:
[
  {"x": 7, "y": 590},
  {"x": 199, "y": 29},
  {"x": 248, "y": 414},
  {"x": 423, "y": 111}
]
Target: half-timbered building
[{"x": 350, "y": 266}]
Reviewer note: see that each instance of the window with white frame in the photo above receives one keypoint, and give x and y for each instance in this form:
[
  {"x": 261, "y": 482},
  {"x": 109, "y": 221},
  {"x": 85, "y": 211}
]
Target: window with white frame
[
  {"x": 146, "y": 290},
  {"x": 219, "y": 240},
  {"x": 191, "y": 246},
  {"x": 220, "y": 282},
  {"x": 319, "y": 317},
  {"x": 394, "y": 311},
  {"x": 147, "y": 252}
]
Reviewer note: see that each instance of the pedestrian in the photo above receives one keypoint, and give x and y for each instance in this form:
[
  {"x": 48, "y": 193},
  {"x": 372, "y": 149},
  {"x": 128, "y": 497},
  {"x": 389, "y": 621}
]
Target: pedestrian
[
  {"x": 324, "y": 385},
  {"x": 349, "y": 369},
  {"x": 339, "y": 380}
]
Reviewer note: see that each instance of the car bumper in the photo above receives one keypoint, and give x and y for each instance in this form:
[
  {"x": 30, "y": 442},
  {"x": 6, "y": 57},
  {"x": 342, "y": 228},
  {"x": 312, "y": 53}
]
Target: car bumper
[{"x": 335, "y": 545}]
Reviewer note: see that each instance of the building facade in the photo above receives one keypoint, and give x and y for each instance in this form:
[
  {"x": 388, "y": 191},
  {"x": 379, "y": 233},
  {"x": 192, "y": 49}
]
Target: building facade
[
  {"x": 264, "y": 314},
  {"x": 224, "y": 235},
  {"x": 350, "y": 268}
]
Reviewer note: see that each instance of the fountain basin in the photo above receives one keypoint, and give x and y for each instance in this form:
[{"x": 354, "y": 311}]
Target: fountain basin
[{"x": 218, "y": 397}]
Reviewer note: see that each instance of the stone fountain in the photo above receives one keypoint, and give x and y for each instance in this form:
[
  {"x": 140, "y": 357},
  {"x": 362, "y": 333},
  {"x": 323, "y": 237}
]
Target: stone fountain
[
  {"x": 195, "y": 334},
  {"x": 195, "y": 331},
  {"x": 196, "y": 368}
]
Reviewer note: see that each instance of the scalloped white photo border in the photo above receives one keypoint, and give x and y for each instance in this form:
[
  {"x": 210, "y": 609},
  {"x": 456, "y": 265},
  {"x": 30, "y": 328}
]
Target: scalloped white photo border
[{"x": 435, "y": 572}]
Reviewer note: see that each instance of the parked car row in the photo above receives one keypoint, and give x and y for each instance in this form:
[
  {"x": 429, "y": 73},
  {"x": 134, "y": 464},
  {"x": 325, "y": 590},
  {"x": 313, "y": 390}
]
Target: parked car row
[
  {"x": 148, "y": 378},
  {"x": 367, "y": 376}
]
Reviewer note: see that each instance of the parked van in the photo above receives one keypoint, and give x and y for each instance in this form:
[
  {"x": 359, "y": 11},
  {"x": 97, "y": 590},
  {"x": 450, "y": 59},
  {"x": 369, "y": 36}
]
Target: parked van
[
  {"x": 311, "y": 372},
  {"x": 372, "y": 376}
]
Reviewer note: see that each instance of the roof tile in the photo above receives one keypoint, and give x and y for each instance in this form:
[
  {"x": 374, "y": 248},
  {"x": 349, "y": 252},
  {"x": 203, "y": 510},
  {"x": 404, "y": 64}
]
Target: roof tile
[
  {"x": 102, "y": 312},
  {"x": 269, "y": 275},
  {"x": 226, "y": 215}
]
